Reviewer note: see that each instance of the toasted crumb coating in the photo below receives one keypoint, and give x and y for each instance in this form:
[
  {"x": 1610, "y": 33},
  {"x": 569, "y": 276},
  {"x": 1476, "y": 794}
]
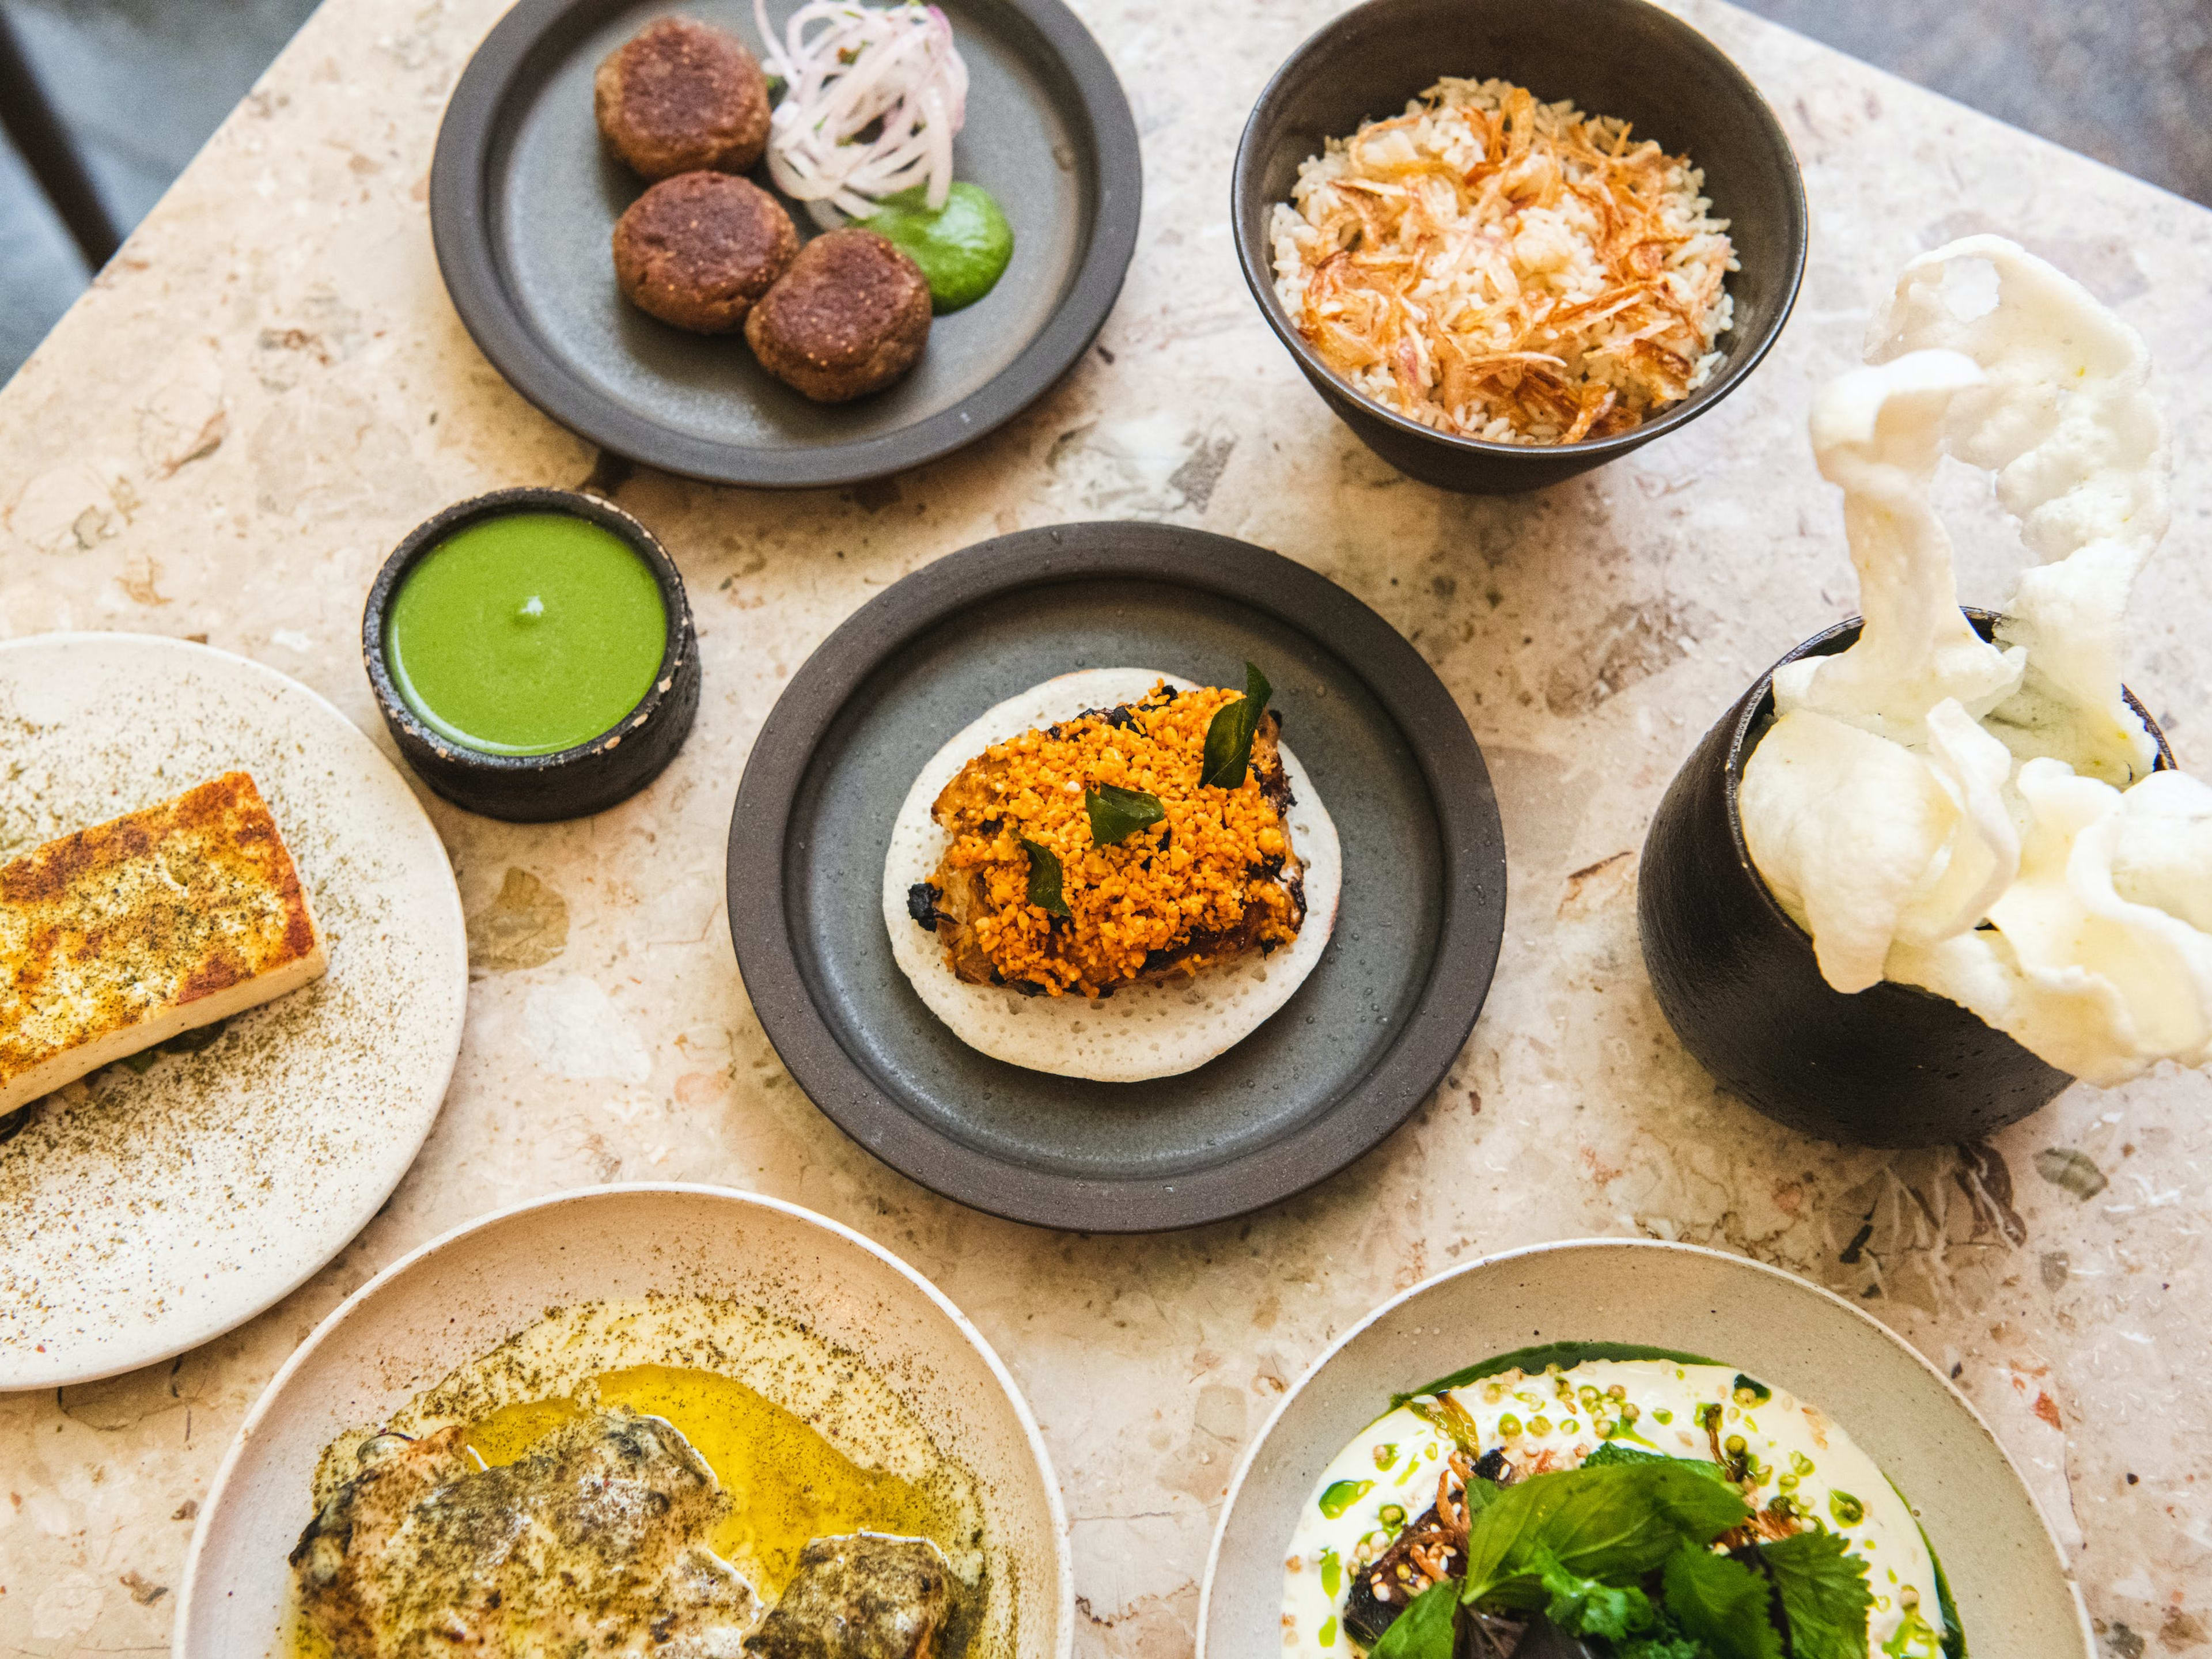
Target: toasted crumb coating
[{"x": 1218, "y": 876}]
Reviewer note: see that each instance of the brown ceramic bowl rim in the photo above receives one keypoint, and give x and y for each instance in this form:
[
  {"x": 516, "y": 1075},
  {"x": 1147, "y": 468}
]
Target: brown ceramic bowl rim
[
  {"x": 427, "y": 537},
  {"x": 1762, "y": 690},
  {"x": 1257, "y": 261}
]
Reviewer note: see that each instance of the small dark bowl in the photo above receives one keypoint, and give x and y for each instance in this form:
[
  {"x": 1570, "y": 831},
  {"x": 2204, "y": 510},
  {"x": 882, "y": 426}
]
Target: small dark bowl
[
  {"x": 569, "y": 783},
  {"x": 1890, "y": 1065},
  {"x": 1618, "y": 57}
]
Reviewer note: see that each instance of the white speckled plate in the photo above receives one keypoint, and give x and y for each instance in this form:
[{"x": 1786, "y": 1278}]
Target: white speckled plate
[
  {"x": 461, "y": 1296},
  {"x": 141, "y": 1214},
  {"x": 2016, "y": 1599}
]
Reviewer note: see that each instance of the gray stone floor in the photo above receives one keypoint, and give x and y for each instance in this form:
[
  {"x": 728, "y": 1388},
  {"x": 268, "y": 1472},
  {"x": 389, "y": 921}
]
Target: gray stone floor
[
  {"x": 144, "y": 83},
  {"x": 2128, "y": 81}
]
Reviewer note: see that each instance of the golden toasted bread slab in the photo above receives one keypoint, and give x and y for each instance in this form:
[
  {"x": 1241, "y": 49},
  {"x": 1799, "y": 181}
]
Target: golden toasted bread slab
[{"x": 123, "y": 935}]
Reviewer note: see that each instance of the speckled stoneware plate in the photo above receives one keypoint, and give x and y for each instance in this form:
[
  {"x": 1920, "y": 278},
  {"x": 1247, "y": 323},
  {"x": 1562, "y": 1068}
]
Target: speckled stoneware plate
[
  {"x": 523, "y": 198},
  {"x": 2015, "y": 1596},
  {"x": 1330, "y": 1074},
  {"x": 141, "y": 1214},
  {"x": 462, "y": 1294}
]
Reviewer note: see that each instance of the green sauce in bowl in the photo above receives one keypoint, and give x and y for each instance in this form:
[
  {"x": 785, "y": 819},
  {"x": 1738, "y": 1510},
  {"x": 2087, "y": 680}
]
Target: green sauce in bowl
[{"x": 526, "y": 634}]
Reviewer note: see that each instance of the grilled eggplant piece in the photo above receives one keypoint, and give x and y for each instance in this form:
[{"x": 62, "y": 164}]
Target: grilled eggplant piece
[
  {"x": 1433, "y": 1549},
  {"x": 1381, "y": 1590},
  {"x": 589, "y": 1542},
  {"x": 862, "y": 1596}
]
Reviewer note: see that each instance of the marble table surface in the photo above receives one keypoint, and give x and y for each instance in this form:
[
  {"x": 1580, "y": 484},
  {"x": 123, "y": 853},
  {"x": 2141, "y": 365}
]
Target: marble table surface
[{"x": 268, "y": 387}]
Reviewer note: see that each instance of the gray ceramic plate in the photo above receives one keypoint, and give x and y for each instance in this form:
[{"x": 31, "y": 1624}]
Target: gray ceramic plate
[
  {"x": 2014, "y": 1596},
  {"x": 523, "y": 199},
  {"x": 1335, "y": 1070}
]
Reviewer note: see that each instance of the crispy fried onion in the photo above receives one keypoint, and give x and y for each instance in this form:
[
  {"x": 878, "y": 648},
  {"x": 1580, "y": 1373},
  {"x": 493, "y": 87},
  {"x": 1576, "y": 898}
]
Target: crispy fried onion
[{"x": 1566, "y": 282}]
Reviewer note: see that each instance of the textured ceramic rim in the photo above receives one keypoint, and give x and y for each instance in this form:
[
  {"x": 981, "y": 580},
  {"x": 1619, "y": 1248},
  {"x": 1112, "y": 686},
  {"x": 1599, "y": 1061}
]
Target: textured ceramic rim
[
  {"x": 1836, "y": 1303},
  {"x": 460, "y": 213},
  {"x": 445, "y": 1081},
  {"x": 517, "y": 770},
  {"x": 1256, "y": 260},
  {"x": 1756, "y": 698},
  {"x": 1430, "y": 1038},
  {"x": 211, "y": 1505}
]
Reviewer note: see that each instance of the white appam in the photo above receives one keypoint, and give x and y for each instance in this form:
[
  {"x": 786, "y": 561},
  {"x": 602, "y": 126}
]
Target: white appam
[{"x": 1142, "y": 1030}]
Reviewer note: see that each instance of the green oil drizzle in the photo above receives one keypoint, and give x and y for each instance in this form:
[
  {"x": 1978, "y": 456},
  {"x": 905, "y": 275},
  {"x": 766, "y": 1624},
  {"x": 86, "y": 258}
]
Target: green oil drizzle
[{"x": 1341, "y": 1495}]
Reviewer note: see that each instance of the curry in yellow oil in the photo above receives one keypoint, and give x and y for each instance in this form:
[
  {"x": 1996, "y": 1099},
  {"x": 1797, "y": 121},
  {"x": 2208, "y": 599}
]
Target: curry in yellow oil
[{"x": 787, "y": 1482}]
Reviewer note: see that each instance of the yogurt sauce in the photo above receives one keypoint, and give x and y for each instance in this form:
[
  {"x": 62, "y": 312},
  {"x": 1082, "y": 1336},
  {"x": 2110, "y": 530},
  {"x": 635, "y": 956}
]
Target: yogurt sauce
[{"x": 1387, "y": 1477}]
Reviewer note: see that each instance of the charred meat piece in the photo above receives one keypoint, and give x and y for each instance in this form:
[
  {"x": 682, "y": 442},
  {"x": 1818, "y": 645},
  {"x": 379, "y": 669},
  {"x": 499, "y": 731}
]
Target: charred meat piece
[
  {"x": 849, "y": 316},
  {"x": 1217, "y": 877},
  {"x": 592, "y": 1541},
  {"x": 680, "y": 95},
  {"x": 698, "y": 250},
  {"x": 859, "y": 1596}
]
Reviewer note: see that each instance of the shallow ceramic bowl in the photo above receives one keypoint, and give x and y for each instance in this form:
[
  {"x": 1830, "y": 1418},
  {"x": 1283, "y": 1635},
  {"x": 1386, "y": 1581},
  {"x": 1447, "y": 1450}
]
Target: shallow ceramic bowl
[
  {"x": 2014, "y": 1596},
  {"x": 1890, "y": 1065},
  {"x": 1619, "y": 57},
  {"x": 461, "y": 1295}
]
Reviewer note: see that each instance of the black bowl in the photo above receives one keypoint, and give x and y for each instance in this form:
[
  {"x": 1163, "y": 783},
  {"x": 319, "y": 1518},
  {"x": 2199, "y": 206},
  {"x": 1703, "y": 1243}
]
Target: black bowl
[
  {"x": 569, "y": 783},
  {"x": 1890, "y": 1065},
  {"x": 1618, "y": 58}
]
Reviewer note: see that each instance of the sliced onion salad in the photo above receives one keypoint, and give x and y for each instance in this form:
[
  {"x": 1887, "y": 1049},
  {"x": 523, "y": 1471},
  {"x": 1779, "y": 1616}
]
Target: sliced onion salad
[{"x": 848, "y": 70}]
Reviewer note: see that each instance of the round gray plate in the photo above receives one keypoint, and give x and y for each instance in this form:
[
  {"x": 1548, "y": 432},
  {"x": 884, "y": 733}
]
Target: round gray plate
[
  {"x": 1340, "y": 1065},
  {"x": 523, "y": 198}
]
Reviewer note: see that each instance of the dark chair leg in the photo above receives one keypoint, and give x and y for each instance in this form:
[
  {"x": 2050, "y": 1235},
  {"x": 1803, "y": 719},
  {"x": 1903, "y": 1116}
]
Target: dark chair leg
[{"x": 39, "y": 138}]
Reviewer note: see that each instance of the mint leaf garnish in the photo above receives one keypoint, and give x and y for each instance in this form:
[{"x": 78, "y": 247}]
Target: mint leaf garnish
[
  {"x": 1584, "y": 1607},
  {"x": 1614, "y": 1452},
  {"x": 1228, "y": 735},
  {"x": 1720, "y": 1603},
  {"x": 1425, "y": 1629},
  {"x": 1613, "y": 1524},
  {"x": 1824, "y": 1597}
]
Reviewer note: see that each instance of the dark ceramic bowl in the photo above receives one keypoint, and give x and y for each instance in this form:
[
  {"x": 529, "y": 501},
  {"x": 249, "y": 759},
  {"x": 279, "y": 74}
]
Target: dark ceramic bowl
[
  {"x": 1890, "y": 1065},
  {"x": 570, "y": 783},
  {"x": 1618, "y": 58}
]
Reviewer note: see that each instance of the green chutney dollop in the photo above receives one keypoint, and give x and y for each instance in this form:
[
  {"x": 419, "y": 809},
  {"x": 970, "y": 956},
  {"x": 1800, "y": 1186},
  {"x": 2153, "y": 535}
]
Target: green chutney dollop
[
  {"x": 526, "y": 634},
  {"x": 963, "y": 248}
]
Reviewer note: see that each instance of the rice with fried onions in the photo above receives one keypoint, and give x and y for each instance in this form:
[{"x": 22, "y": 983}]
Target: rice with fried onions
[{"x": 1505, "y": 270}]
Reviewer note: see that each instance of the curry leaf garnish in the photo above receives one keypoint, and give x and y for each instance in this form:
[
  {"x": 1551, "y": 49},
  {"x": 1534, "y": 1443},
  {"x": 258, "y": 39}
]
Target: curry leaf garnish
[
  {"x": 1228, "y": 735},
  {"x": 1425, "y": 1629},
  {"x": 1046, "y": 879},
  {"x": 1613, "y": 1524},
  {"x": 1823, "y": 1588},
  {"x": 1722, "y": 1603},
  {"x": 1116, "y": 813}
]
